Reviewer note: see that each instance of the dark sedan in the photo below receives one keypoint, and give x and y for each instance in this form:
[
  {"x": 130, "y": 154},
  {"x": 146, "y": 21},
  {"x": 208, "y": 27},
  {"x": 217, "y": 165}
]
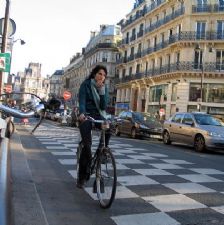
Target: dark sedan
[{"x": 138, "y": 124}]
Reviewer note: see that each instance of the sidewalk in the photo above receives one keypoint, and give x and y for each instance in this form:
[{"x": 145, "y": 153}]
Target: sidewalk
[{"x": 26, "y": 205}]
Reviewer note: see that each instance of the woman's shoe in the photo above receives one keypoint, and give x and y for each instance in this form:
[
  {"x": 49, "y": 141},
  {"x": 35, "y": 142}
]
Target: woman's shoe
[{"x": 80, "y": 184}]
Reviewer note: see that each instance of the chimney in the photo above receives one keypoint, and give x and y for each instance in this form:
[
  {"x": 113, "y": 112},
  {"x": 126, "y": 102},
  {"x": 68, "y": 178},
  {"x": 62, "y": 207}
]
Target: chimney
[{"x": 92, "y": 34}]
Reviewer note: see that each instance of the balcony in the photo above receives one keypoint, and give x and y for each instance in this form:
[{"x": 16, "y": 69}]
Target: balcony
[
  {"x": 122, "y": 60},
  {"x": 138, "y": 55},
  {"x": 133, "y": 37},
  {"x": 143, "y": 12},
  {"x": 183, "y": 36},
  {"x": 165, "y": 20},
  {"x": 125, "y": 41},
  {"x": 202, "y": 8},
  {"x": 207, "y": 8},
  {"x": 102, "y": 45},
  {"x": 131, "y": 57},
  {"x": 183, "y": 66},
  {"x": 140, "y": 33},
  {"x": 218, "y": 8}
]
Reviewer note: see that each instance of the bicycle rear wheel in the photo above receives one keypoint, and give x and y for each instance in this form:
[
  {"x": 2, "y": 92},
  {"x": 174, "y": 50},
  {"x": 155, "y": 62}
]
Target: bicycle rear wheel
[{"x": 106, "y": 178}]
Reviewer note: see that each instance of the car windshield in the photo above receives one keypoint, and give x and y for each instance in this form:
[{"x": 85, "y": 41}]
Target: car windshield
[
  {"x": 144, "y": 117},
  {"x": 206, "y": 120}
]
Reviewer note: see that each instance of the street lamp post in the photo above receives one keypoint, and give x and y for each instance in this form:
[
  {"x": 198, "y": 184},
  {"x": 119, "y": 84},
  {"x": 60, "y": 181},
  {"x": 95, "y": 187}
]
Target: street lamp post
[
  {"x": 201, "y": 64},
  {"x": 4, "y": 37}
]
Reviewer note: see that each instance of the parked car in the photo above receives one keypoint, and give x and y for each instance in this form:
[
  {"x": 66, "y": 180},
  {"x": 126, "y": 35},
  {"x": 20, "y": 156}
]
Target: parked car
[
  {"x": 200, "y": 130},
  {"x": 138, "y": 124}
]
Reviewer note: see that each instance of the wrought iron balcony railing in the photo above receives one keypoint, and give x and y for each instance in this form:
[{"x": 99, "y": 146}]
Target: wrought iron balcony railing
[
  {"x": 207, "y": 8},
  {"x": 133, "y": 37},
  {"x": 218, "y": 8},
  {"x": 102, "y": 45},
  {"x": 175, "y": 67},
  {"x": 140, "y": 33},
  {"x": 143, "y": 12},
  {"x": 183, "y": 36},
  {"x": 165, "y": 20},
  {"x": 201, "y": 8}
]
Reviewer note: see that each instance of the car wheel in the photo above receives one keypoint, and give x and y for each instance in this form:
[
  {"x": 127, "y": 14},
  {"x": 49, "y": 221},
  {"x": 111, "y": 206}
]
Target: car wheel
[
  {"x": 133, "y": 132},
  {"x": 199, "y": 143},
  {"x": 117, "y": 132},
  {"x": 166, "y": 138}
]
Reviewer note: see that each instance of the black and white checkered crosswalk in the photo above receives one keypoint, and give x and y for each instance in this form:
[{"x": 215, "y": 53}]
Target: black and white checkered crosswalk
[{"x": 165, "y": 190}]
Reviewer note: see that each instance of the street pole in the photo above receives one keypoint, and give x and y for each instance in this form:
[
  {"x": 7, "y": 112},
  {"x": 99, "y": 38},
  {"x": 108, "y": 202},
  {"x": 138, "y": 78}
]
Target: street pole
[
  {"x": 4, "y": 39},
  {"x": 202, "y": 76}
]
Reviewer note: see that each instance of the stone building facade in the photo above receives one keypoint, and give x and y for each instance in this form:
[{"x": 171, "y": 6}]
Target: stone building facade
[
  {"x": 32, "y": 81},
  {"x": 102, "y": 48},
  {"x": 56, "y": 83},
  {"x": 73, "y": 76},
  {"x": 172, "y": 57}
]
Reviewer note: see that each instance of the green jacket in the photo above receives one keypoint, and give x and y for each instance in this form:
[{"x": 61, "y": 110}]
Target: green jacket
[{"x": 86, "y": 100}]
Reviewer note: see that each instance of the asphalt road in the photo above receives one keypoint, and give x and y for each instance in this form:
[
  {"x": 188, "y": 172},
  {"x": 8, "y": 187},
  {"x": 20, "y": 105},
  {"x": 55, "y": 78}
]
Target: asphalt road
[{"x": 157, "y": 184}]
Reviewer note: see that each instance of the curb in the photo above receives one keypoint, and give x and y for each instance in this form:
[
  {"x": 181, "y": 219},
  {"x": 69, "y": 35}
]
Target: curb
[{"x": 5, "y": 184}]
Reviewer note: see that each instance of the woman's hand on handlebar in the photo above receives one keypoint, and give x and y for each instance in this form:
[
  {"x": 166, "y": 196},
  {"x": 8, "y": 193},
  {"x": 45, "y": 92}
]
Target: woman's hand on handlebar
[{"x": 82, "y": 117}]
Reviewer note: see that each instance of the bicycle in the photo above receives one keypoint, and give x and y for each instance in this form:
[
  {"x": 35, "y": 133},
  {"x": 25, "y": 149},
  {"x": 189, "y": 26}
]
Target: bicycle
[
  {"x": 39, "y": 108},
  {"x": 104, "y": 166}
]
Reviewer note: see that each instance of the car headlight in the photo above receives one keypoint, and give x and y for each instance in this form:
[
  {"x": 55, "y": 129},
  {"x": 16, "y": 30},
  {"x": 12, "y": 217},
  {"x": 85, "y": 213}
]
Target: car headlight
[
  {"x": 143, "y": 126},
  {"x": 214, "y": 134}
]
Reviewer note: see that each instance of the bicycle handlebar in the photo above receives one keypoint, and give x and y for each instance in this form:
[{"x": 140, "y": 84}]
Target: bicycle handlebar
[
  {"x": 39, "y": 109},
  {"x": 94, "y": 120},
  {"x": 19, "y": 114}
]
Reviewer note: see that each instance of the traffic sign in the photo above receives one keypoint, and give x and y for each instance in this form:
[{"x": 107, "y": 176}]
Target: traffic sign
[
  {"x": 11, "y": 27},
  {"x": 5, "y": 62},
  {"x": 67, "y": 95}
]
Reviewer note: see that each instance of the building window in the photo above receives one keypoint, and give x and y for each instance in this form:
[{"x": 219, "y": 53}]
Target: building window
[
  {"x": 215, "y": 93},
  {"x": 155, "y": 41},
  {"x": 168, "y": 63},
  {"x": 138, "y": 68},
  {"x": 200, "y": 29},
  {"x": 220, "y": 29},
  {"x": 123, "y": 73},
  {"x": 195, "y": 92},
  {"x": 158, "y": 93},
  {"x": 160, "y": 64},
  {"x": 202, "y": 2},
  {"x": 220, "y": 60},
  {"x": 67, "y": 81},
  {"x": 130, "y": 71},
  {"x": 221, "y": 5},
  {"x": 198, "y": 60},
  {"x": 105, "y": 57},
  {"x": 174, "y": 92}
]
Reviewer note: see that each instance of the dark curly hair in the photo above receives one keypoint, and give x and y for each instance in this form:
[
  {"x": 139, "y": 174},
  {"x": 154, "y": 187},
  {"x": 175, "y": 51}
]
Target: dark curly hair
[{"x": 96, "y": 69}]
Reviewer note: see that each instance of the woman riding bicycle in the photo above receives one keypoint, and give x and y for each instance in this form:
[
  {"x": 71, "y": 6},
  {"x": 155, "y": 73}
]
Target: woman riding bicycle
[{"x": 93, "y": 95}]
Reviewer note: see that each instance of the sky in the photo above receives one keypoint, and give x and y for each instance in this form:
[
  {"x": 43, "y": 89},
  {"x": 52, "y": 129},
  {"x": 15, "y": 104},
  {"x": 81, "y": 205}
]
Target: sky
[{"x": 55, "y": 30}]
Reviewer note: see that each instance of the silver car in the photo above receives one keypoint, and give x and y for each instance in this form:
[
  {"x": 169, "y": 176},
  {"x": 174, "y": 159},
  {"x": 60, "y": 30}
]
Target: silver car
[{"x": 198, "y": 129}]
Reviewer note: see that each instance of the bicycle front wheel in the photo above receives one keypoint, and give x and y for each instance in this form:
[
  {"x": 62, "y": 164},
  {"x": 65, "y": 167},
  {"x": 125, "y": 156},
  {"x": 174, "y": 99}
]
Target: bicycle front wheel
[{"x": 106, "y": 178}]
